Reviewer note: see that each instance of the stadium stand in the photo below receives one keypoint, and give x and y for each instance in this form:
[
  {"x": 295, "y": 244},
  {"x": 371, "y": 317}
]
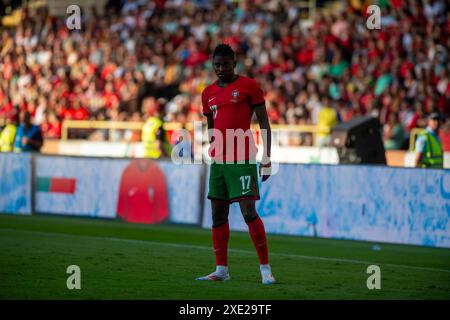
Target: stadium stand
[{"x": 130, "y": 54}]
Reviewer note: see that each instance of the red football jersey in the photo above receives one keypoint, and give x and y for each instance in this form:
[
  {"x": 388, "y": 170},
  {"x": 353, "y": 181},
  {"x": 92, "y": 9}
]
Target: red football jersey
[
  {"x": 232, "y": 109},
  {"x": 143, "y": 193}
]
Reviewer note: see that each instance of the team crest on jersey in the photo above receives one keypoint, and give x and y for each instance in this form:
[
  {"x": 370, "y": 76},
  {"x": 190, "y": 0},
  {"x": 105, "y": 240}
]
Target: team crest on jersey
[
  {"x": 214, "y": 110},
  {"x": 234, "y": 95}
]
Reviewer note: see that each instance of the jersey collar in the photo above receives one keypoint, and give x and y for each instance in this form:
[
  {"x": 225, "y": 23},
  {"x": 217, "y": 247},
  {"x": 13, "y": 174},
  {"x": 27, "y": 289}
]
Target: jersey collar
[{"x": 217, "y": 82}]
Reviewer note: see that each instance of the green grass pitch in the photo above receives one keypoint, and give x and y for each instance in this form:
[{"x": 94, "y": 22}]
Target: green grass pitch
[{"x": 126, "y": 261}]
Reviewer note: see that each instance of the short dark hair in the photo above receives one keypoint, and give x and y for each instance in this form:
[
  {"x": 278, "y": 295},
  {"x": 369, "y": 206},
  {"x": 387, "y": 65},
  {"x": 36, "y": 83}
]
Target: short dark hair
[{"x": 223, "y": 50}]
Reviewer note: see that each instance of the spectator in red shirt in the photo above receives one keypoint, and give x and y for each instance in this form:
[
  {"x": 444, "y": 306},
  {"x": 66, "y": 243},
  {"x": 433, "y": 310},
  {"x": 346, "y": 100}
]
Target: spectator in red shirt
[{"x": 78, "y": 112}]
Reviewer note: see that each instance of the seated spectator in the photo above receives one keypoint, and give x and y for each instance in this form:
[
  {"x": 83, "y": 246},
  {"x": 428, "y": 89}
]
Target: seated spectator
[
  {"x": 393, "y": 133},
  {"x": 51, "y": 127}
]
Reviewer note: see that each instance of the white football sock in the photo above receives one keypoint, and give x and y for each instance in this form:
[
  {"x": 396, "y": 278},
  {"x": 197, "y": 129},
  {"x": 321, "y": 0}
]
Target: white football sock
[{"x": 222, "y": 269}]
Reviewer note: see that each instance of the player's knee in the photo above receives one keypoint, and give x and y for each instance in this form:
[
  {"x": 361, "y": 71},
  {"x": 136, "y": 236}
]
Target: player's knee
[
  {"x": 219, "y": 217},
  {"x": 219, "y": 222},
  {"x": 248, "y": 210},
  {"x": 249, "y": 216}
]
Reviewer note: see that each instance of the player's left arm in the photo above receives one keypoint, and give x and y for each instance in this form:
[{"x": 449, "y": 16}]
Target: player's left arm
[{"x": 266, "y": 133}]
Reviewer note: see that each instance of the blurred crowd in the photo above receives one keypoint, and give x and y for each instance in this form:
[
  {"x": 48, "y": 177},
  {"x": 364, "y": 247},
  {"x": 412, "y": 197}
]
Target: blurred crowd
[{"x": 139, "y": 56}]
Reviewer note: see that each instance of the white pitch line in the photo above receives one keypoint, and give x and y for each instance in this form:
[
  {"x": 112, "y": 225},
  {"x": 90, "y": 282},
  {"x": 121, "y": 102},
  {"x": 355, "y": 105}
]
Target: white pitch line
[{"x": 190, "y": 246}]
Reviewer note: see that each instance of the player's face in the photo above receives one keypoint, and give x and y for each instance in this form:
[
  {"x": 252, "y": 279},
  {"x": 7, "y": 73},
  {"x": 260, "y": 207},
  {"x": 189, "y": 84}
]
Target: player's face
[{"x": 224, "y": 68}]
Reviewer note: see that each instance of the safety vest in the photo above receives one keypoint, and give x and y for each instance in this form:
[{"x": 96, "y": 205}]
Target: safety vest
[
  {"x": 433, "y": 154},
  {"x": 7, "y": 138},
  {"x": 149, "y": 130}
]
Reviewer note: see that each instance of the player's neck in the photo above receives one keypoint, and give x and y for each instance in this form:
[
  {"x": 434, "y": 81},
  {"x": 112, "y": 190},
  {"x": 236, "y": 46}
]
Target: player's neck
[{"x": 224, "y": 84}]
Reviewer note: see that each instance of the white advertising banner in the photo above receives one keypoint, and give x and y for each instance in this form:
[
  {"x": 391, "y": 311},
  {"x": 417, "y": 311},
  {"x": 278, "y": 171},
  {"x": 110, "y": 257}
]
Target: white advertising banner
[
  {"x": 15, "y": 183},
  {"x": 136, "y": 190},
  {"x": 78, "y": 186},
  {"x": 373, "y": 203}
]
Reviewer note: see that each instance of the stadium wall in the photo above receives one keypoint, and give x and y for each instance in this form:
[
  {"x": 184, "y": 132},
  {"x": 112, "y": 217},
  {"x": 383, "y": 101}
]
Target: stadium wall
[
  {"x": 372, "y": 203},
  {"x": 284, "y": 154},
  {"x": 381, "y": 204},
  {"x": 15, "y": 183},
  {"x": 135, "y": 190},
  {"x": 85, "y": 148}
]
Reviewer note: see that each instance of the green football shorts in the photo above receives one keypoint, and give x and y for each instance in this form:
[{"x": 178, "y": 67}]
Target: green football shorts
[{"x": 233, "y": 181}]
